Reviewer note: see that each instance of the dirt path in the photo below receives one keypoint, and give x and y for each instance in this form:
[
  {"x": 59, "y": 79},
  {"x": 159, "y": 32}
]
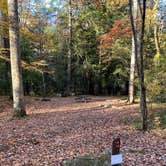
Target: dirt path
[{"x": 62, "y": 128}]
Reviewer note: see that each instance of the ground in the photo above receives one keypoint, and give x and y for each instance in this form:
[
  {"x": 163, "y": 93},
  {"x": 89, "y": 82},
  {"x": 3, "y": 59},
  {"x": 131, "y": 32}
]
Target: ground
[{"x": 63, "y": 128}]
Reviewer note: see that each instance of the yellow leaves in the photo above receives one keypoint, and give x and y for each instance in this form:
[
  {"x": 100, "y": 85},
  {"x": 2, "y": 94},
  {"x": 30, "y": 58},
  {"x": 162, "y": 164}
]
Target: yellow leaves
[
  {"x": 4, "y": 51},
  {"x": 3, "y": 55},
  {"x": 3, "y": 23},
  {"x": 3, "y": 16},
  {"x": 157, "y": 121},
  {"x": 33, "y": 37},
  {"x": 155, "y": 83},
  {"x": 150, "y": 16},
  {"x": 3, "y": 7},
  {"x": 33, "y": 66},
  {"x": 156, "y": 58},
  {"x": 151, "y": 13},
  {"x": 40, "y": 63},
  {"x": 25, "y": 18},
  {"x": 116, "y": 3},
  {"x": 3, "y": 28}
]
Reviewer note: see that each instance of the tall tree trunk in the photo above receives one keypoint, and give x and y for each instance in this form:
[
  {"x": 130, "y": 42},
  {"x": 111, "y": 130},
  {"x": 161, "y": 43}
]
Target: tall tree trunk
[
  {"x": 156, "y": 34},
  {"x": 17, "y": 85},
  {"x": 139, "y": 60},
  {"x": 132, "y": 63},
  {"x": 44, "y": 85},
  {"x": 142, "y": 84},
  {"x": 157, "y": 43},
  {"x": 69, "y": 50},
  {"x": 2, "y": 18}
]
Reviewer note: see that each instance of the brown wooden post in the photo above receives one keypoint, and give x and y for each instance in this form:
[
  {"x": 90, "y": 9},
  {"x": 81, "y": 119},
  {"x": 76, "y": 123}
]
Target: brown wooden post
[{"x": 116, "y": 148}]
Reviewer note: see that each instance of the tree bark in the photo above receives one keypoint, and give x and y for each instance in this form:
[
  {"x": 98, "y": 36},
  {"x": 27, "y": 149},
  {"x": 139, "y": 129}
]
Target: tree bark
[
  {"x": 142, "y": 84},
  {"x": 44, "y": 85},
  {"x": 3, "y": 19},
  {"x": 132, "y": 63},
  {"x": 157, "y": 43},
  {"x": 69, "y": 50},
  {"x": 139, "y": 61},
  {"x": 17, "y": 85},
  {"x": 156, "y": 34}
]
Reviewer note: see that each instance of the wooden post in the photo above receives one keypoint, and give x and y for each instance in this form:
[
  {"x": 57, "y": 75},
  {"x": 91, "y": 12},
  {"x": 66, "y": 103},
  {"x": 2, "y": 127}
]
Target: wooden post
[{"x": 116, "y": 148}]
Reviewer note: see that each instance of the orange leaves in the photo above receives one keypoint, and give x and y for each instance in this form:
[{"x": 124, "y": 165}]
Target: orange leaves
[
  {"x": 120, "y": 28},
  {"x": 98, "y": 3}
]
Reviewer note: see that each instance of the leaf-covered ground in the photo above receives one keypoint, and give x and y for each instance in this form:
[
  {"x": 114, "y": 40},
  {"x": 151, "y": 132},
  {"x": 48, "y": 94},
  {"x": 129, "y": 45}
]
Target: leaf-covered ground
[{"x": 62, "y": 128}]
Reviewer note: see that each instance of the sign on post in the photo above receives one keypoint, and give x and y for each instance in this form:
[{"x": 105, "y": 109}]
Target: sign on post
[{"x": 116, "y": 159}]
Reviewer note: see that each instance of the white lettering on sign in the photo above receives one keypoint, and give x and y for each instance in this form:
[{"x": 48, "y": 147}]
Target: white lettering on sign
[{"x": 116, "y": 159}]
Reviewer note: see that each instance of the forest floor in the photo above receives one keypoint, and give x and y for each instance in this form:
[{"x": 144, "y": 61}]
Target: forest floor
[{"x": 63, "y": 128}]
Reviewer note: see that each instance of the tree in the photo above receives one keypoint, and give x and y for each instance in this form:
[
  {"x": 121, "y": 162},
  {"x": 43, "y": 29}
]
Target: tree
[
  {"x": 1, "y": 30},
  {"x": 4, "y": 27},
  {"x": 69, "y": 49},
  {"x": 132, "y": 63},
  {"x": 17, "y": 85},
  {"x": 4, "y": 47},
  {"x": 140, "y": 59},
  {"x": 156, "y": 32}
]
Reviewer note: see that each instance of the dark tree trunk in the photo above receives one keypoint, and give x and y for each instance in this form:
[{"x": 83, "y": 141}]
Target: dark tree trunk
[
  {"x": 44, "y": 85},
  {"x": 142, "y": 84},
  {"x": 139, "y": 61}
]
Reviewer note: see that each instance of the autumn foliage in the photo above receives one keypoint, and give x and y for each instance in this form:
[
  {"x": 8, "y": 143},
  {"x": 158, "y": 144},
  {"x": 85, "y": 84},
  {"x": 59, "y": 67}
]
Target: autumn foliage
[{"x": 121, "y": 28}]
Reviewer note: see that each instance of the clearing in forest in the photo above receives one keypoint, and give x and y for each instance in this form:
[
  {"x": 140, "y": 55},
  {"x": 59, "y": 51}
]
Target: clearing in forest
[{"x": 62, "y": 128}]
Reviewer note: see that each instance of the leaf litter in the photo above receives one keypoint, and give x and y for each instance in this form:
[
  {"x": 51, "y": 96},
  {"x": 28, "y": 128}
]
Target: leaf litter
[{"x": 62, "y": 128}]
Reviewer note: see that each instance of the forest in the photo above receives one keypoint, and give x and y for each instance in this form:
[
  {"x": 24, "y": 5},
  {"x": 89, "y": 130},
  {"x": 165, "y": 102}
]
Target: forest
[{"x": 77, "y": 74}]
